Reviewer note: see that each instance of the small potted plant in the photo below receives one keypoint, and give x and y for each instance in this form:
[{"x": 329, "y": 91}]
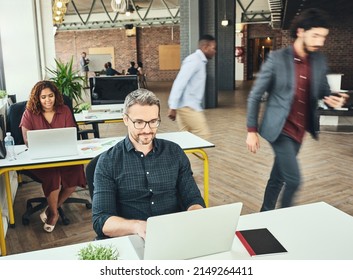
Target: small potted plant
[
  {"x": 82, "y": 108},
  {"x": 2, "y": 94},
  {"x": 98, "y": 252}
]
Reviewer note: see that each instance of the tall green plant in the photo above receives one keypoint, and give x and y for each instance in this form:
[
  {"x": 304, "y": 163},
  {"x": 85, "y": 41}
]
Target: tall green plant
[{"x": 68, "y": 81}]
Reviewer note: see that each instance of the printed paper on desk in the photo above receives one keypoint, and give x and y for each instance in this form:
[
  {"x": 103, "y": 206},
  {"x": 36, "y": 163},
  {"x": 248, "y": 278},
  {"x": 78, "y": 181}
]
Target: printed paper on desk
[
  {"x": 91, "y": 148},
  {"x": 97, "y": 144},
  {"x": 91, "y": 117}
]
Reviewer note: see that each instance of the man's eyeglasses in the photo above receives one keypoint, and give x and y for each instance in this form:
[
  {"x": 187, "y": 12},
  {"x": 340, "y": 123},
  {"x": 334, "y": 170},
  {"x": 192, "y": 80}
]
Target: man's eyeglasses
[{"x": 140, "y": 124}]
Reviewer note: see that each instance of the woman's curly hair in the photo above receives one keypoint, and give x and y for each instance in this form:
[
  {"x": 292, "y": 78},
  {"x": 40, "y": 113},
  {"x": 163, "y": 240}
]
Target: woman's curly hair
[{"x": 34, "y": 104}]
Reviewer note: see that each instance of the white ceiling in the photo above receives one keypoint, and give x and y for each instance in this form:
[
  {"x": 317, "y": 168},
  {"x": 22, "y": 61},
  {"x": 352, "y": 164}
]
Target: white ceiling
[
  {"x": 98, "y": 14},
  {"x": 94, "y": 14},
  {"x": 84, "y": 6}
]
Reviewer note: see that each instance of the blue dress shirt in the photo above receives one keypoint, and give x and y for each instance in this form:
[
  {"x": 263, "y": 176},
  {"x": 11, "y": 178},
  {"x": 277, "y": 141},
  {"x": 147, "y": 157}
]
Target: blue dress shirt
[
  {"x": 131, "y": 185},
  {"x": 189, "y": 86}
]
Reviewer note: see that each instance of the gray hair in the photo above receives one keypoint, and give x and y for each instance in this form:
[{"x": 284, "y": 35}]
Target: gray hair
[{"x": 141, "y": 96}]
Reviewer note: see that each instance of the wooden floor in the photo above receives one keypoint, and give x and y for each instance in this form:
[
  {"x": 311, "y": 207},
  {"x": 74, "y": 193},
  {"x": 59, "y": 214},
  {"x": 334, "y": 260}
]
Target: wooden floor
[{"x": 235, "y": 174}]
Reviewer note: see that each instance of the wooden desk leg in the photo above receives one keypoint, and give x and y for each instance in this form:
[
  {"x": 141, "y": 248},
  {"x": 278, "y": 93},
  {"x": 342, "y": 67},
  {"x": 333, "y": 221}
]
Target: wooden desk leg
[
  {"x": 203, "y": 157},
  {"x": 2, "y": 236},
  {"x": 9, "y": 199}
]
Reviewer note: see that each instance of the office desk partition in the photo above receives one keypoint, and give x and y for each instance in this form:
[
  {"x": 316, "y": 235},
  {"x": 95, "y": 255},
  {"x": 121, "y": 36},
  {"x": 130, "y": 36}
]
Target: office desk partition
[
  {"x": 88, "y": 149},
  {"x": 316, "y": 231}
]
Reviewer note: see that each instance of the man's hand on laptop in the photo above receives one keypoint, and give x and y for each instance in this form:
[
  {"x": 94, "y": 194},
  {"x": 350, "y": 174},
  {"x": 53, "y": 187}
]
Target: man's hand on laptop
[
  {"x": 140, "y": 228},
  {"x": 195, "y": 207},
  {"x": 116, "y": 226}
]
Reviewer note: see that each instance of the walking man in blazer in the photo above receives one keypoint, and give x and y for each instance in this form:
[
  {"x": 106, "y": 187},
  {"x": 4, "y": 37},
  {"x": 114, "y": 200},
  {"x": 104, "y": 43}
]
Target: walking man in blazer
[{"x": 295, "y": 79}]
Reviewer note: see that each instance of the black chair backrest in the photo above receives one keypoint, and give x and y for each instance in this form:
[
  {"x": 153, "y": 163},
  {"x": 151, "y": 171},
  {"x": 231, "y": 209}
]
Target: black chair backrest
[
  {"x": 13, "y": 98},
  {"x": 68, "y": 102},
  {"x": 91, "y": 166},
  {"x": 13, "y": 120}
]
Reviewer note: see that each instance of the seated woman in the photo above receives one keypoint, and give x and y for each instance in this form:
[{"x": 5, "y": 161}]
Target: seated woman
[
  {"x": 132, "y": 70},
  {"x": 109, "y": 71},
  {"x": 45, "y": 110}
]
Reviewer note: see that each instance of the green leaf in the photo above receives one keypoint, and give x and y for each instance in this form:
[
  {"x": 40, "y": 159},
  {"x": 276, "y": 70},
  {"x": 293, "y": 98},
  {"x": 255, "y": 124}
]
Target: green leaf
[
  {"x": 98, "y": 252},
  {"x": 68, "y": 81},
  {"x": 2, "y": 93}
]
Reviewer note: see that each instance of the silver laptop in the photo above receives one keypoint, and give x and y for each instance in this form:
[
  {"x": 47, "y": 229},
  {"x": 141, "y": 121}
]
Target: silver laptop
[
  {"x": 49, "y": 143},
  {"x": 189, "y": 234}
]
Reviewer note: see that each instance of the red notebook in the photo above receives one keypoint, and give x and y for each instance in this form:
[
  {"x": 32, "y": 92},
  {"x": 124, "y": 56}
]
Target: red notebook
[{"x": 259, "y": 241}]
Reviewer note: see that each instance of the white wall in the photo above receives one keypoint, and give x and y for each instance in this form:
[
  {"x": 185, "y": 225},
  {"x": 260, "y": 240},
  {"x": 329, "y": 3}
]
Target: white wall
[
  {"x": 27, "y": 42},
  {"x": 25, "y": 27},
  {"x": 239, "y": 67}
]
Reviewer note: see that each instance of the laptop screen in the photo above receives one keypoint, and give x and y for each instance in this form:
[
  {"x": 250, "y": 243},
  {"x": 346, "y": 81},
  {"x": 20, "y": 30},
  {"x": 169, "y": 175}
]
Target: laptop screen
[
  {"x": 49, "y": 143},
  {"x": 191, "y": 234}
]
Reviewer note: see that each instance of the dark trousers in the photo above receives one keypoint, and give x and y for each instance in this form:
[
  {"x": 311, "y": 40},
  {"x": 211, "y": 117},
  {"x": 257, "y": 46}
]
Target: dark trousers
[{"x": 285, "y": 173}]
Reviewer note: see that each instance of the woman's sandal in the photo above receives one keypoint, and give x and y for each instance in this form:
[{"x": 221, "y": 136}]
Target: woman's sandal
[
  {"x": 43, "y": 216},
  {"x": 48, "y": 228}
]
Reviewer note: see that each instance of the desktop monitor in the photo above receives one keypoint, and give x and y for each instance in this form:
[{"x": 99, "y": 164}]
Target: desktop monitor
[{"x": 108, "y": 92}]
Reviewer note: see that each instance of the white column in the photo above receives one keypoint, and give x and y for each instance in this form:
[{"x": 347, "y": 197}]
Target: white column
[{"x": 194, "y": 23}]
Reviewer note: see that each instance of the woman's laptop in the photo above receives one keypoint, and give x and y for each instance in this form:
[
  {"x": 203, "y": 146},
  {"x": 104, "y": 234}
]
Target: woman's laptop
[
  {"x": 189, "y": 234},
  {"x": 50, "y": 143}
]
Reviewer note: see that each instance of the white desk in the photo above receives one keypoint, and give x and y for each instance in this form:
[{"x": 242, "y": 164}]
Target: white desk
[
  {"x": 89, "y": 149},
  {"x": 95, "y": 118},
  {"x": 99, "y": 116},
  {"x": 315, "y": 231}
]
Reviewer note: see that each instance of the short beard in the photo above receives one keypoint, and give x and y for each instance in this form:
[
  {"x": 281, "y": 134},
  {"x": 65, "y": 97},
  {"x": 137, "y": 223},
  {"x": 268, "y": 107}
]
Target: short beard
[{"x": 307, "y": 51}]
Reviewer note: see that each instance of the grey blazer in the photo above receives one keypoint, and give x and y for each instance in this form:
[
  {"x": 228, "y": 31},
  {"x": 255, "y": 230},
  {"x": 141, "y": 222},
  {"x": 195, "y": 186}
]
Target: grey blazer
[{"x": 277, "y": 78}]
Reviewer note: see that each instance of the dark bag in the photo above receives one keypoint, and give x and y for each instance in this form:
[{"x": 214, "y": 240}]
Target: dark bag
[{"x": 2, "y": 131}]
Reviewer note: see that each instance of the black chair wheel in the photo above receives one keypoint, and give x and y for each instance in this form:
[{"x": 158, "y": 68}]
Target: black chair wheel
[
  {"x": 89, "y": 205},
  {"x": 25, "y": 221}
]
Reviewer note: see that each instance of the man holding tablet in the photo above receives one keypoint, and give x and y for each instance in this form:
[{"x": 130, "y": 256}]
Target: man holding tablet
[{"x": 295, "y": 79}]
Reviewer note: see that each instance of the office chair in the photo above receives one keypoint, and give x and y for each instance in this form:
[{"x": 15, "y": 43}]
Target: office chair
[
  {"x": 90, "y": 168},
  {"x": 14, "y": 116},
  {"x": 81, "y": 133}
]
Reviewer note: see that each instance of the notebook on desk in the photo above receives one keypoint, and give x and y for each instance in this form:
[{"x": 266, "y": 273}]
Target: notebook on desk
[
  {"x": 189, "y": 234},
  {"x": 50, "y": 143}
]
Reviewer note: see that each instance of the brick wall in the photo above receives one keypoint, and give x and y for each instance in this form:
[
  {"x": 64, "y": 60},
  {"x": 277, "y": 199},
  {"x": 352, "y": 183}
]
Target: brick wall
[
  {"x": 143, "y": 47},
  {"x": 337, "y": 47}
]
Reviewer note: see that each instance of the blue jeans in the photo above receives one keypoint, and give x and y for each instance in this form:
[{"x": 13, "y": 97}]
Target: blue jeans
[{"x": 285, "y": 173}]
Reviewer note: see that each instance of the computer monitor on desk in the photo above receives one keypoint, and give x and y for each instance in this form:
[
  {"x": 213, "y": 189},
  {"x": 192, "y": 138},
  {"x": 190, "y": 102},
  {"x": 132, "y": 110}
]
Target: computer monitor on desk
[{"x": 108, "y": 93}]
